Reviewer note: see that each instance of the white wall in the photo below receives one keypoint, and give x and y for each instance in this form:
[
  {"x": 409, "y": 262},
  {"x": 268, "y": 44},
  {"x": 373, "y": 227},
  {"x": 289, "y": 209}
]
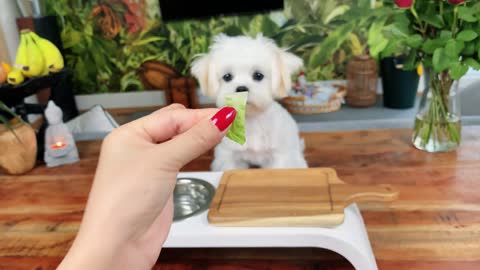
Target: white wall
[{"x": 8, "y": 26}]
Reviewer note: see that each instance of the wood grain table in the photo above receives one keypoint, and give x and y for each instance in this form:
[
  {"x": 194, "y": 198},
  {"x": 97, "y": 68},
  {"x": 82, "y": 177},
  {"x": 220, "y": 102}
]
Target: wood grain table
[{"x": 435, "y": 224}]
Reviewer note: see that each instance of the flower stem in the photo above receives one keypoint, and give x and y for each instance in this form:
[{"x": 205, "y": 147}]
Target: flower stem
[
  {"x": 441, "y": 8},
  {"x": 455, "y": 21},
  {"x": 437, "y": 126},
  {"x": 420, "y": 24}
]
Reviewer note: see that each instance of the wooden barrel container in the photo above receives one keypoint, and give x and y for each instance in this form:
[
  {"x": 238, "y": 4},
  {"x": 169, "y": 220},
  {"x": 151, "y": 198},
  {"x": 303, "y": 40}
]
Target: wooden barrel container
[{"x": 362, "y": 79}]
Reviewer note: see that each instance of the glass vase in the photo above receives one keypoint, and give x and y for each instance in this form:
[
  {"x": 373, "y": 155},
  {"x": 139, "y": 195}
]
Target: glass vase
[{"x": 438, "y": 120}]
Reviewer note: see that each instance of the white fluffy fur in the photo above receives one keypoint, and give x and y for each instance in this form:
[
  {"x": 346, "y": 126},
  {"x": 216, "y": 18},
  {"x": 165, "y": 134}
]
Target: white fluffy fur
[{"x": 272, "y": 134}]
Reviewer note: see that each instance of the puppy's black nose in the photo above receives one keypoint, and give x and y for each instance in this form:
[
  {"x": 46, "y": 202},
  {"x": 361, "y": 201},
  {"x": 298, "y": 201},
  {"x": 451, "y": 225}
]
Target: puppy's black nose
[{"x": 242, "y": 89}]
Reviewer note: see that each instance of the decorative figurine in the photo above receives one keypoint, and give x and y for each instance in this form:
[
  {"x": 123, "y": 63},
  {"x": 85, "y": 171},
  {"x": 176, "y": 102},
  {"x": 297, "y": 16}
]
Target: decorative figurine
[
  {"x": 60, "y": 146},
  {"x": 302, "y": 80}
]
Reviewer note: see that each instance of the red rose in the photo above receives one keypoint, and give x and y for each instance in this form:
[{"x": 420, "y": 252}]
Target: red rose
[
  {"x": 405, "y": 3},
  {"x": 456, "y": 2}
]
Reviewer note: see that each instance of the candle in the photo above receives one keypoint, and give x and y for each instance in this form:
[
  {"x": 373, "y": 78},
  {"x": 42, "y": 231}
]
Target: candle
[{"x": 58, "y": 145}]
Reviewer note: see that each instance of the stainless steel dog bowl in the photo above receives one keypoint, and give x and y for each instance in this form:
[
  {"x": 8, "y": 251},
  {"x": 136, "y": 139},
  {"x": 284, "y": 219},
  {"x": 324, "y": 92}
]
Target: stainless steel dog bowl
[{"x": 191, "y": 197}]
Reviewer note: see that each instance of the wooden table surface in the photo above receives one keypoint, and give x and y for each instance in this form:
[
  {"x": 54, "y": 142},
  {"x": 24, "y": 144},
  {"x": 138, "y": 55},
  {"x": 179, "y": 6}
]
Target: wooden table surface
[{"x": 435, "y": 224}]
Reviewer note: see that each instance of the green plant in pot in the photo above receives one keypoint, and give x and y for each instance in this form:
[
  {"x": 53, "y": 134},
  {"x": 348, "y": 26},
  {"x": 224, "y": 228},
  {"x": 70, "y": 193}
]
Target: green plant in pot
[
  {"x": 443, "y": 35},
  {"x": 399, "y": 85},
  {"x": 17, "y": 141}
]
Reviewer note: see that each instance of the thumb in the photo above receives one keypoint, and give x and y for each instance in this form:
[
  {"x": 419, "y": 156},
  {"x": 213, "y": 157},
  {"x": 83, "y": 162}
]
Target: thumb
[{"x": 199, "y": 139}]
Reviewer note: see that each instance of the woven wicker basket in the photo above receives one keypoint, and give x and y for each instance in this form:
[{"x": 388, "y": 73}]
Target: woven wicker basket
[{"x": 296, "y": 104}]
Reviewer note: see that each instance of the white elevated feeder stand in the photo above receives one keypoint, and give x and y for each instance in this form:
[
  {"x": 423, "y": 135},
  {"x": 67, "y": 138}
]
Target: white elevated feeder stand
[{"x": 349, "y": 239}]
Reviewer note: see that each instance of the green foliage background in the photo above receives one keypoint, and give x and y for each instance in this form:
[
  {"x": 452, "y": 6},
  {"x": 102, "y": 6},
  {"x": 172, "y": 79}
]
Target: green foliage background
[
  {"x": 326, "y": 34},
  {"x": 441, "y": 36}
]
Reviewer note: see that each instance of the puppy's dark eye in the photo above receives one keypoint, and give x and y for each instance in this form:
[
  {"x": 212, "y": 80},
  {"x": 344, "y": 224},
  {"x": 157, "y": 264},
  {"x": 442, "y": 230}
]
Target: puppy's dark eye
[
  {"x": 257, "y": 76},
  {"x": 227, "y": 77}
]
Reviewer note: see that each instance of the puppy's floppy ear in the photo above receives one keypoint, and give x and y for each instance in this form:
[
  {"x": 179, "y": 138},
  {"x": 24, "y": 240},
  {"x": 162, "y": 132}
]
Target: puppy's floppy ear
[
  {"x": 204, "y": 70},
  {"x": 285, "y": 65}
]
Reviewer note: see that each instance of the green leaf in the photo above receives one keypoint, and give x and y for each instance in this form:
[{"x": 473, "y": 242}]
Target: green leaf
[
  {"x": 80, "y": 70},
  {"x": 6, "y": 109},
  {"x": 340, "y": 10},
  {"x": 399, "y": 32},
  {"x": 440, "y": 62},
  {"x": 130, "y": 80},
  {"x": 88, "y": 30},
  {"x": 6, "y": 123},
  {"x": 411, "y": 60},
  {"x": 98, "y": 58},
  {"x": 415, "y": 41},
  {"x": 355, "y": 44},
  {"x": 469, "y": 49},
  {"x": 268, "y": 27},
  {"x": 377, "y": 48},
  {"x": 375, "y": 31},
  {"x": 458, "y": 70},
  {"x": 476, "y": 7},
  {"x": 453, "y": 48},
  {"x": 467, "y": 35},
  {"x": 305, "y": 41},
  {"x": 432, "y": 44},
  {"x": 323, "y": 51},
  {"x": 445, "y": 34},
  {"x": 70, "y": 37},
  {"x": 434, "y": 20},
  {"x": 145, "y": 41},
  {"x": 393, "y": 47},
  {"x": 3, "y": 120},
  {"x": 400, "y": 28},
  {"x": 472, "y": 63},
  {"x": 427, "y": 62},
  {"x": 467, "y": 14}
]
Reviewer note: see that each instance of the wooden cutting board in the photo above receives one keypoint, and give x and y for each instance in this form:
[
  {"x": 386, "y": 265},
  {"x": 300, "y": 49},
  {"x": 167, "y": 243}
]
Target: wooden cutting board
[{"x": 288, "y": 197}]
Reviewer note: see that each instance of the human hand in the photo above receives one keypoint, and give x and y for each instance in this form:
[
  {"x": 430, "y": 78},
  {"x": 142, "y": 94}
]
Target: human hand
[{"x": 130, "y": 208}]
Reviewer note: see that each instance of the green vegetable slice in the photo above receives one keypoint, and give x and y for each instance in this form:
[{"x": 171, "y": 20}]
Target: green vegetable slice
[{"x": 236, "y": 132}]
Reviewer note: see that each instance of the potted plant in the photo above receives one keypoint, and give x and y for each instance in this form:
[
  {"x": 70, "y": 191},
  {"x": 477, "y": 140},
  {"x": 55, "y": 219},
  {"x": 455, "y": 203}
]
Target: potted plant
[
  {"x": 17, "y": 141},
  {"x": 399, "y": 85},
  {"x": 443, "y": 36}
]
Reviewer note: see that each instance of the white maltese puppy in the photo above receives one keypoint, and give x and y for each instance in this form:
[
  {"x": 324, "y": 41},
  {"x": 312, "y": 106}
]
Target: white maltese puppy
[{"x": 258, "y": 66}]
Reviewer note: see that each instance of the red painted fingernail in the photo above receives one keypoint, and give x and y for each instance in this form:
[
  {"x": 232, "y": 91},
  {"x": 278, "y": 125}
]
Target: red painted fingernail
[{"x": 224, "y": 118}]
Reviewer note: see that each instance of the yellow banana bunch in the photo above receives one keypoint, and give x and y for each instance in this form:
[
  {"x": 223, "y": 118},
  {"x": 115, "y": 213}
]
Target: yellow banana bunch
[
  {"x": 35, "y": 59},
  {"x": 52, "y": 55},
  {"x": 21, "y": 59},
  {"x": 36, "y": 56}
]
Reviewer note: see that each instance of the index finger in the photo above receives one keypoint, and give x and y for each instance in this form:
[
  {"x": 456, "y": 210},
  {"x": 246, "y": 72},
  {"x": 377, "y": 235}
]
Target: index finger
[{"x": 162, "y": 125}]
